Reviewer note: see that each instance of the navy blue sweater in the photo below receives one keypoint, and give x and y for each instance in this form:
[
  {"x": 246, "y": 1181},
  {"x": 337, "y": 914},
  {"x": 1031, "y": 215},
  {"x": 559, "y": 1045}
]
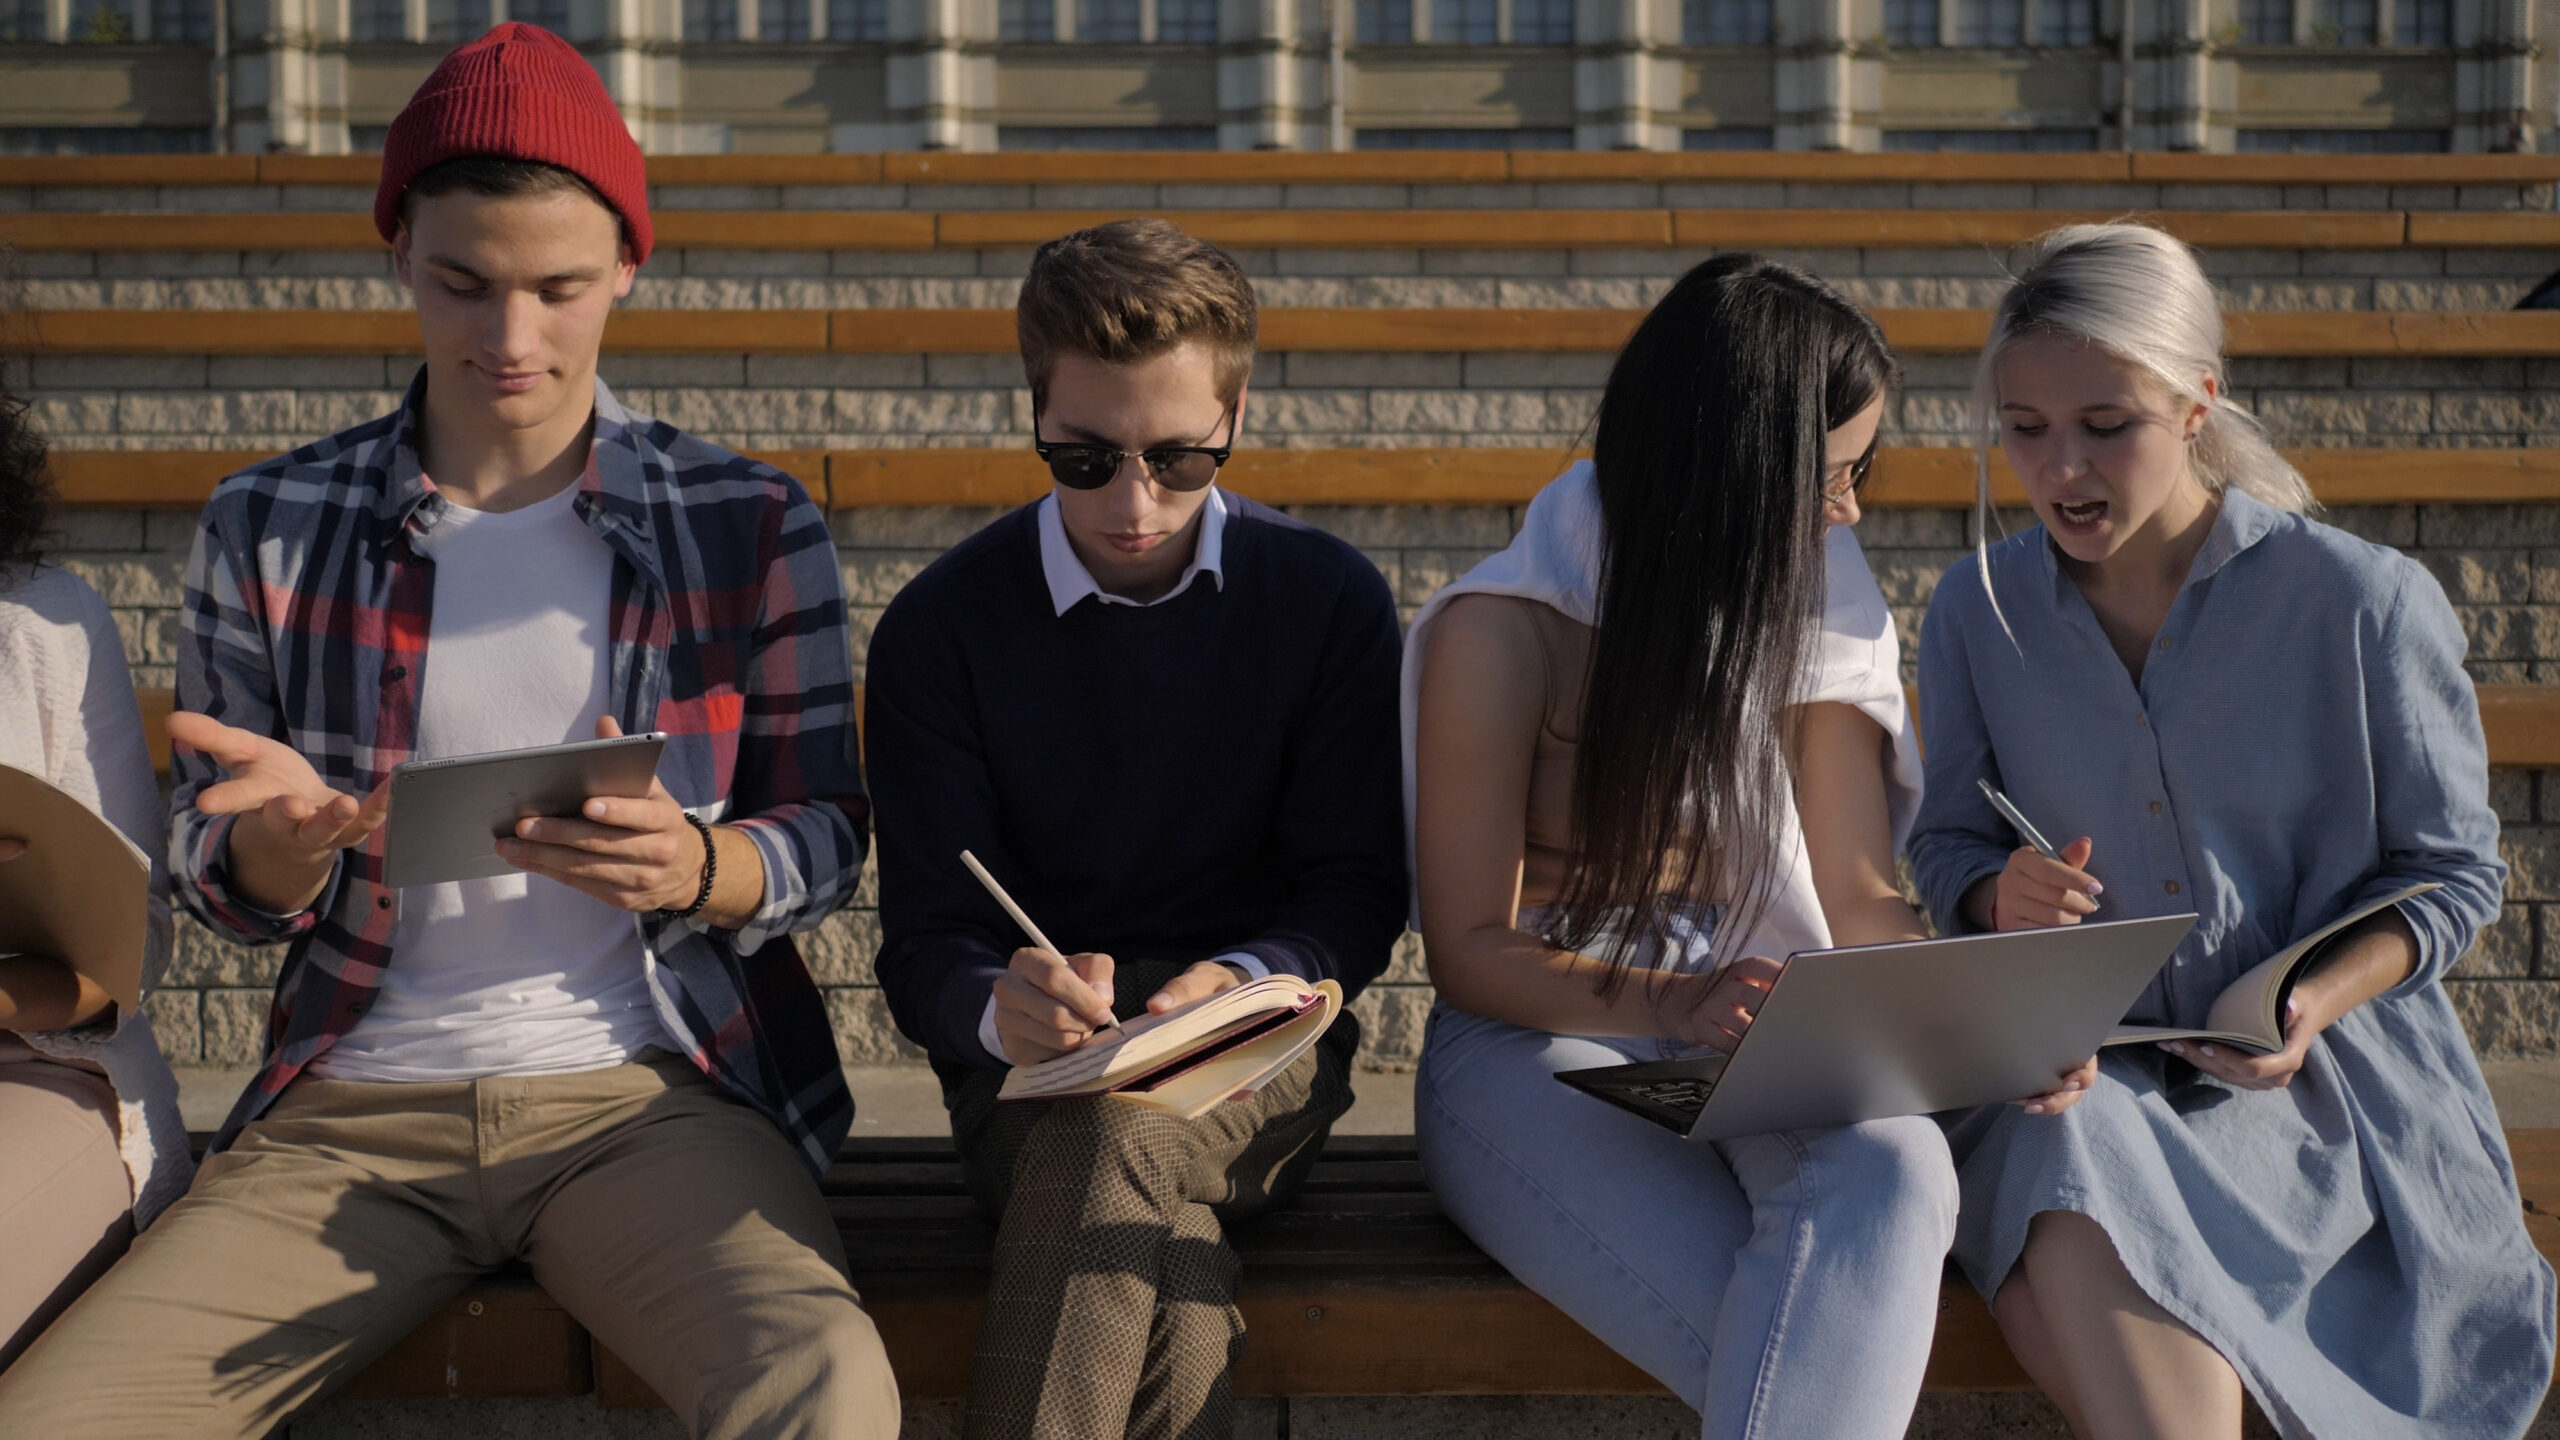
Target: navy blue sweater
[{"x": 1219, "y": 772}]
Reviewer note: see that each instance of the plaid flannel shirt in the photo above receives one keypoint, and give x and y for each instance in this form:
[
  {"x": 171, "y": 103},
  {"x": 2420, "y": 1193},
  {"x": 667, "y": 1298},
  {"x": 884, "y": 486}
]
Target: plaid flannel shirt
[{"x": 306, "y": 619}]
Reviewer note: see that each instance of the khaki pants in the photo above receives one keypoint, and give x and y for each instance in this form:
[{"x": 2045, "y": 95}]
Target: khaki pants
[
  {"x": 671, "y": 1220},
  {"x": 1111, "y": 1310},
  {"x": 65, "y": 1196}
]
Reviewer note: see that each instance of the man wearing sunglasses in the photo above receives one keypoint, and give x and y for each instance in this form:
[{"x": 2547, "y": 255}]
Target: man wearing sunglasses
[{"x": 1165, "y": 719}]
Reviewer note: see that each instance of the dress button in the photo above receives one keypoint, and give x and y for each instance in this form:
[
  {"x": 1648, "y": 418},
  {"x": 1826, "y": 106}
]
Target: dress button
[
  {"x": 2171, "y": 887},
  {"x": 2143, "y": 721},
  {"x": 2155, "y": 807},
  {"x": 2164, "y": 642}
]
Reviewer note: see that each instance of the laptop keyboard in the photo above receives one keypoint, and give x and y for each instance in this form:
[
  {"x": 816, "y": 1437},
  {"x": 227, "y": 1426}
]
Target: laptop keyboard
[{"x": 1686, "y": 1096}]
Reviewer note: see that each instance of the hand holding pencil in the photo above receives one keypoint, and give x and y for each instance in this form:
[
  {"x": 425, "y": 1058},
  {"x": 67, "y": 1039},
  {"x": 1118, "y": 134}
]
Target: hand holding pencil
[
  {"x": 1047, "y": 1002},
  {"x": 2042, "y": 885}
]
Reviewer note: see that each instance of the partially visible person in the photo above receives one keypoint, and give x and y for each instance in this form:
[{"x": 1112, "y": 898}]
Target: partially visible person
[
  {"x": 1656, "y": 746},
  {"x": 2233, "y": 710},
  {"x": 91, "y": 1145},
  {"x": 605, "y": 1062},
  {"x": 1165, "y": 717}
]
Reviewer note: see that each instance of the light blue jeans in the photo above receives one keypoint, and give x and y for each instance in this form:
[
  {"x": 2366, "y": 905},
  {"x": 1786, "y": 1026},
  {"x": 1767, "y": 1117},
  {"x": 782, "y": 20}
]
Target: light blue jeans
[{"x": 1784, "y": 1285}]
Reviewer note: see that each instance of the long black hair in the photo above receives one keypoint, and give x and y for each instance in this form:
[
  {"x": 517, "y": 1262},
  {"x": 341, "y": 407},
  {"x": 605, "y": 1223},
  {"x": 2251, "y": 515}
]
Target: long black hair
[
  {"x": 1709, "y": 452},
  {"x": 26, "y": 487}
]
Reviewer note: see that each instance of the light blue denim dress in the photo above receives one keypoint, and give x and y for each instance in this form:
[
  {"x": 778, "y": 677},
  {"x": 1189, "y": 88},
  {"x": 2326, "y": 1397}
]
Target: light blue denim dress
[{"x": 2303, "y": 737}]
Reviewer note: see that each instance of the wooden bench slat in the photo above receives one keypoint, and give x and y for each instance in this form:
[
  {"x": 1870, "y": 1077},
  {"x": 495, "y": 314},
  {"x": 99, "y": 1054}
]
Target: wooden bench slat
[
  {"x": 2485, "y": 229},
  {"x": 1332, "y": 229},
  {"x": 906, "y": 231},
  {"x": 1321, "y": 330},
  {"x": 2521, "y": 723},
  {"x": 1906, "y": 477},
  {"x": 1364, "y": 167}
]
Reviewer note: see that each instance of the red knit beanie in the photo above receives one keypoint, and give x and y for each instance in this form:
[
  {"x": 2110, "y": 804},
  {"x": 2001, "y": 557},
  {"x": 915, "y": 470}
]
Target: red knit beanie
[{"x": 523, "y": 93}]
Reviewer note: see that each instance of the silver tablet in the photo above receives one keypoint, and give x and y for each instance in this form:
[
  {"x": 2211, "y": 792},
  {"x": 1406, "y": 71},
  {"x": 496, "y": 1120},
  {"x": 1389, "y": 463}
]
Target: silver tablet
[
  {"x": 1906, "y": 1029},
  {"x": 448, "y": 815}
]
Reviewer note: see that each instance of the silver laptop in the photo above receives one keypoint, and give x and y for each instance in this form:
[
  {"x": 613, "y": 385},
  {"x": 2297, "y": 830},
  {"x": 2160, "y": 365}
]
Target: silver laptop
[
  {"x": 448, "y": 815},
  {"x": 1905, "y": 1029}
]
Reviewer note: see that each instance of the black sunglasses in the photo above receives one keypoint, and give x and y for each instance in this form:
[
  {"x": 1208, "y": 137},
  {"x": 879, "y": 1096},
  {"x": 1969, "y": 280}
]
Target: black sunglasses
[{"x": 1175, "y": 467}]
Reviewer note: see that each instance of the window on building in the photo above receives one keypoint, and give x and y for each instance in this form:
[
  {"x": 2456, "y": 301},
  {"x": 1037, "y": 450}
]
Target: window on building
[
  {"x": 181, "y": 22},
  {"x": 377, "y": 20},
  {"x": 2422, "y": 22},
  {"x": 22, "y": 22},
  {"x": 2343, "y": 142},
  {"x": 1729, "y": 137},
  {"x": 1725, "y": 22},
  {"x": 1466, "y": 22},
  {"x": 1541, "y": 22},
  {"x": 1991, "y": 141},
  {"x": 1187, "y": 22},
  {"x": 1910, "y": 23},
  {"x": 2266, "y": 22},
  {"x": 1991, "y": 22},
  {"x": 858, "y": 20},
  {"x": 1383, "y": 22},
  {"x": 1026, "y": 20},
  {"x": 2346, "y": 22},
  {"x": 1108, "y": 22},
  {"x": 100, "y": 22},
  {"x": 1106, "y": 137},
  {"x": 450, "y": 22},
  {"x": 1560, "y": 138},
  {"x": 2067, "y": 22},
  {"x": 782, "y": 19},
  {"x": 551, "y": 15},
  {"x": 711, "y": 19}
]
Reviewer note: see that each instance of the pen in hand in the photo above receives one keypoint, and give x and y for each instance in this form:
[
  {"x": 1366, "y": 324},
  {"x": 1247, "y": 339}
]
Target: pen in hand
[
  {"x": 1020, "y": 919},
  {"x": 2027, "y": 831}
]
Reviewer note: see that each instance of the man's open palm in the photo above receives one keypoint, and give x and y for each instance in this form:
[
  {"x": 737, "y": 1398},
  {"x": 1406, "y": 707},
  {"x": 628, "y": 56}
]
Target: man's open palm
[{"x": 277, "y": 792}]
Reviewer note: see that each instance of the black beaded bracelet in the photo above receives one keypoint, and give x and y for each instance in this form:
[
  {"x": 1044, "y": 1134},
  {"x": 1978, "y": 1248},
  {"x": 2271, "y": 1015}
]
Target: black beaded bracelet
[{"x": 710, "y": 868}]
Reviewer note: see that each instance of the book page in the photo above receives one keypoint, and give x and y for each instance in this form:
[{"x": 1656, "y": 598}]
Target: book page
[
  {"x": 2249, "y": 1012},
  {"x": 1143, "y": 1043}
]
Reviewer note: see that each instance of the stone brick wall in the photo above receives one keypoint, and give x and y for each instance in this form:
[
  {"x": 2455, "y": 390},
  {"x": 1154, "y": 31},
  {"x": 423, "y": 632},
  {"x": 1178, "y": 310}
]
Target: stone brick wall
[{"x": 2501, "y": 564}]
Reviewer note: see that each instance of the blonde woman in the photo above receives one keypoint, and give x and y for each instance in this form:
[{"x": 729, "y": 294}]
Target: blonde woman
[{"x": 2234, "y": 710}]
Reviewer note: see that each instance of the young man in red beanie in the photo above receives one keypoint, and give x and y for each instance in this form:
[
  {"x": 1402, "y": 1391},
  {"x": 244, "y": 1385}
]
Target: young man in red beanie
[{"x": 608, "y": 1063}]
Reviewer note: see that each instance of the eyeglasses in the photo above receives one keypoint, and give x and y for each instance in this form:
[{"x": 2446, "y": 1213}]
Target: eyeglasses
[
  {"x": 1175, "y": 467},
  {"x": 1853, "y": 477}
]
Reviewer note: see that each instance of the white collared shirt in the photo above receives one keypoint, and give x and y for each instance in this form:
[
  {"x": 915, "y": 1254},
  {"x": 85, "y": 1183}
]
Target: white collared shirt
[{"x": 1069, "y": 584}]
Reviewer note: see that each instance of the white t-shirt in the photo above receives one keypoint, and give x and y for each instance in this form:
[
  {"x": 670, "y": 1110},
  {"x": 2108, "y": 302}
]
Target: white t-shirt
[{"x": 518, "y": 975}]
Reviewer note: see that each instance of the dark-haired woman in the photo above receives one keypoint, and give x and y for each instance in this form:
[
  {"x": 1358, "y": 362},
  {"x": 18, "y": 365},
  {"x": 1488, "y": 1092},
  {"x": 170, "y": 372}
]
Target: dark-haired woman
[
  {"x": 1656, "y": 742},
  {"x": 91, "y": 1146}
]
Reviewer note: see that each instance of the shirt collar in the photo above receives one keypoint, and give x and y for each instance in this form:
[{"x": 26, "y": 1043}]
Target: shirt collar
[
  {"x": 613, "y": 493},
  {"x": 2244, "y": 521},
  {"x": 1070, "y": 582}
]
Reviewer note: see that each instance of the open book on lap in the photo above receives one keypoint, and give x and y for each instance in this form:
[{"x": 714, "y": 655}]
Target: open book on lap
[
  {"x": 2249, "y": 1013},
  {"x": 81, "y": 893},
  {"x": 1188, "y": 1060}
]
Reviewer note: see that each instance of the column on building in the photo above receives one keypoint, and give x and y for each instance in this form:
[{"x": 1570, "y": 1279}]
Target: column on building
[
  {"x": 1820, "y": 76},
  {"x": 1620, "y": 101},
  {"x": 286, "y": 92},
  {"x": 942, "y": 80},
  {"x": 1272, "y": 62},
  {"x": 2493, "y": 76}
]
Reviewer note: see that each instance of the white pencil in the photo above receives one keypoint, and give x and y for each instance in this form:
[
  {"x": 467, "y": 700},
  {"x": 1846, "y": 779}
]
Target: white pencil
[{"x": 1018, "y": 917}]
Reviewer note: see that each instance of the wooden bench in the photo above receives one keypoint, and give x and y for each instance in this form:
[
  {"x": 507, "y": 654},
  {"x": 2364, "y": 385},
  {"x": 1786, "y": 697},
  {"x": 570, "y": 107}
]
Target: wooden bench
[
  {"x": 1400, "y": 330},
  {"x": 1372, "y": 229},
  {"x": 1362, "y": 1288},
  {"x": 1405, "y": 167},
  {"x": 1906, "y": 478}
]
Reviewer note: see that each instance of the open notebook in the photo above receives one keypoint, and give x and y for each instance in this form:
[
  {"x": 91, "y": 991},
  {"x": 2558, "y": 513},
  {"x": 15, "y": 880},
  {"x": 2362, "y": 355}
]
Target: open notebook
[
  {"x": 1188, "y": 1060},
  {"x": 81, "y": 893},
  {"x": 2249, "y": 1012}
]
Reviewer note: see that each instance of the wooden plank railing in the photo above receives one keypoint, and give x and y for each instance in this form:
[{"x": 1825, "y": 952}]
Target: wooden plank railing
[
  {"x": 1409, "y": 167},
  {"x": 1405, "y": 330},
  {"x": 1906, "y": 478},
  {"x": 1373, "y": 229}
]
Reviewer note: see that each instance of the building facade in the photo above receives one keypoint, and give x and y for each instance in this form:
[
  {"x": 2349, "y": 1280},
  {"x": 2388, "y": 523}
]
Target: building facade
[{"x": 715, "y": 76}]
